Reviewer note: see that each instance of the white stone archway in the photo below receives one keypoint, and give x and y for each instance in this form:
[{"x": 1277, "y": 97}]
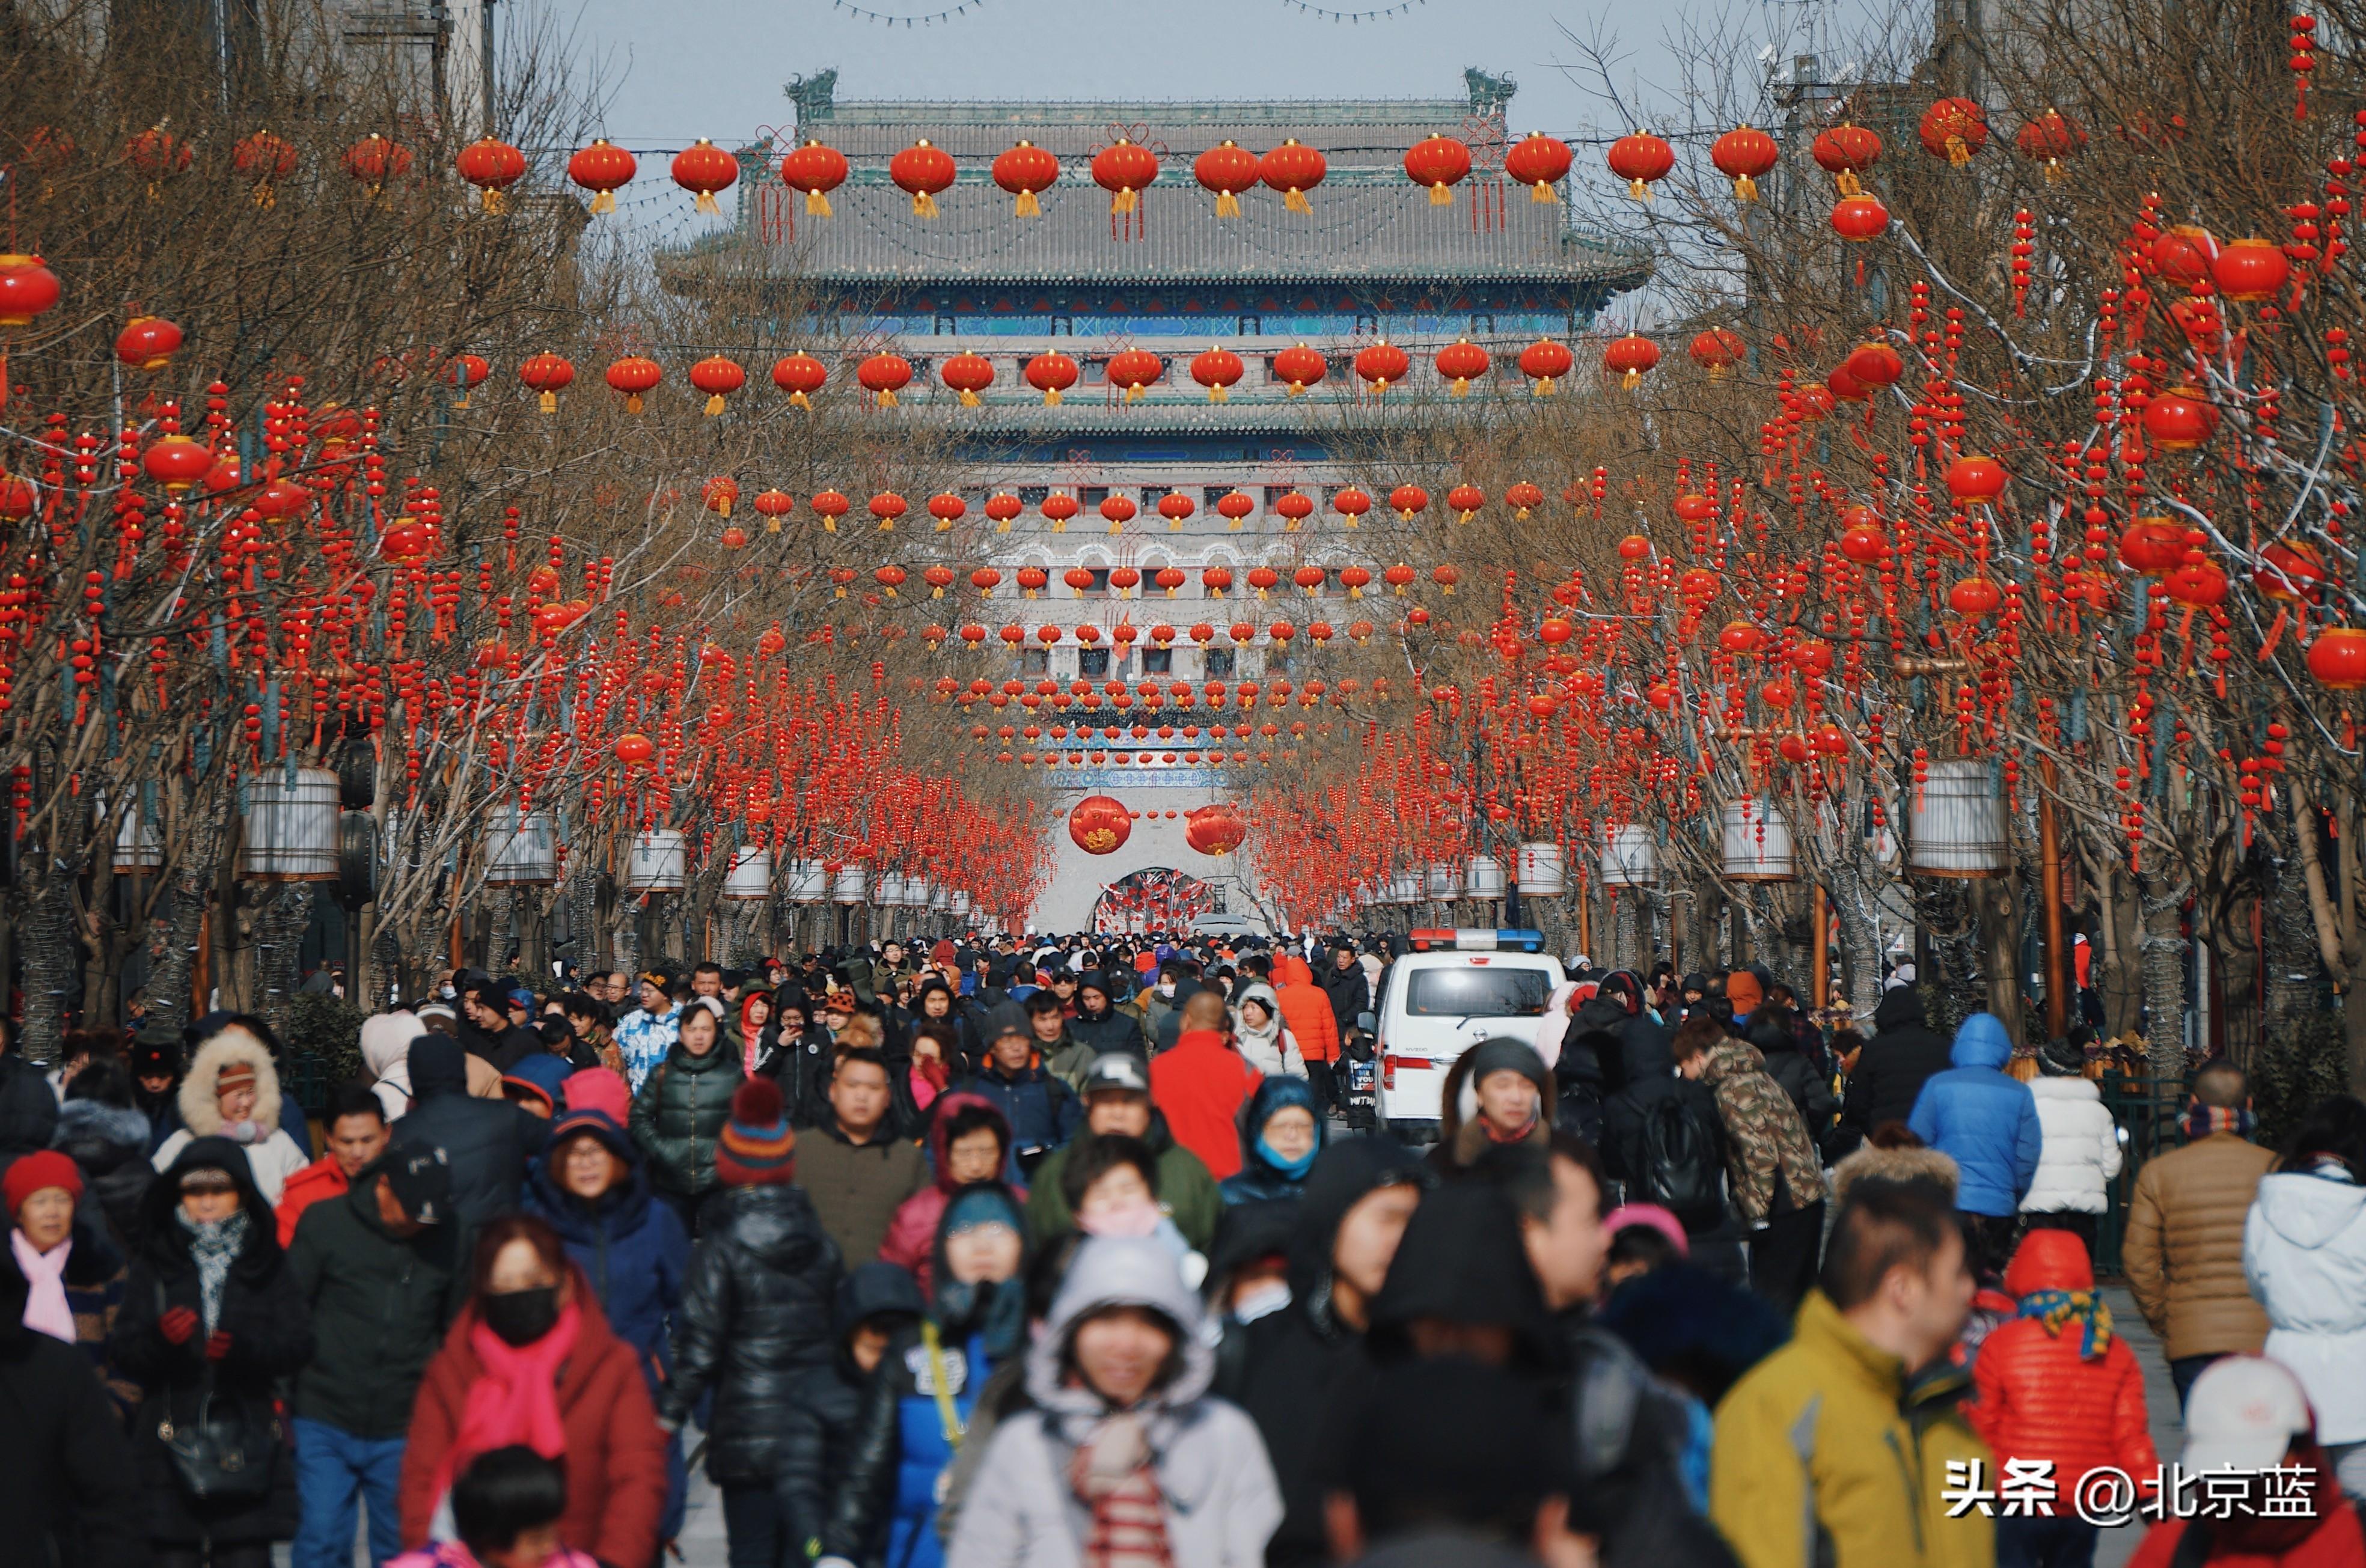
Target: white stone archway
[{"x": 1157, "y": 840}]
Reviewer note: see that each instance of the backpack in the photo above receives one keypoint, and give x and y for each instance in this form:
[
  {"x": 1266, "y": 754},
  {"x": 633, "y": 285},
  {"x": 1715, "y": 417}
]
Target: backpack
[{"x": 1682, "y": 1170}]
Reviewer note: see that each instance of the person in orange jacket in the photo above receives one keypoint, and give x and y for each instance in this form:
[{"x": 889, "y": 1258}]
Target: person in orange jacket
[
  {"x": 356, "y": 1133},
  {"x": 2055, "y": 1385},
  {"x": 1306, "y": 1013}
]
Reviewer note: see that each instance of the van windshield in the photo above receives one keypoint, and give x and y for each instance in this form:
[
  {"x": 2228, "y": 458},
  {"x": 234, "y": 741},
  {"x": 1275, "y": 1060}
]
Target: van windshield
[{"x": 1477, "y": 993}]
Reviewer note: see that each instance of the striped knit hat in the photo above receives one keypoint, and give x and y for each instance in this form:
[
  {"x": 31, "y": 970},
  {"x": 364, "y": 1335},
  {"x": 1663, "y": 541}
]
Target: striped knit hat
[{"x": 759, "y": 1146}]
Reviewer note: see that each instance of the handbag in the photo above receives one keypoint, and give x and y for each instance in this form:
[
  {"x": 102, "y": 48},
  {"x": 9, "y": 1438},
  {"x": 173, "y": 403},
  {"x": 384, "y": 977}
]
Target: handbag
[{"x": 223, "y": 1456}]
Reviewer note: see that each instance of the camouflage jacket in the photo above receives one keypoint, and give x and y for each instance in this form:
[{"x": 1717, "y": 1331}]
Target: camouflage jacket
[{"x": 1765, "y": 1138}]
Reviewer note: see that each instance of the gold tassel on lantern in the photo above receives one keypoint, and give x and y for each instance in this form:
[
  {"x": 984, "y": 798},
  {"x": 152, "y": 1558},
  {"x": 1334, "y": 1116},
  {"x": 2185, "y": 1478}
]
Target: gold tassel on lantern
[
  {"x": 923, "y": 205},
  {"x": 1125, "y": 200},
  {"x": 1133, "y": 392},
  {"x": 1958, "y": 153},
  {"x": 1544, "y": 387},
  {"x": 1002, "y": 527},
  {"x": 632, "y": 403},
  {"x": 841, "y": 590},
  {"x": 1115, "y": 525},
  {"x": 1441, "y": 195},
  {"x": 1028, "y": 206},
  {"x": 549, "y": 401},
  {"x": 1051, "y": 396},
  {"x": 713, "y": 405},
  {"x": 706, "y": 203},
  {"x": 1227, "y": 205},
  {"x": 1631, "y": 380},
  {"x": 944, "y": 525},
  {"x": 887, "y": 525},
  {"x": 266, "y": 196},
  {"x": 887, "y": 398},
  {"x": 1638, "y": 190},
  {"x": 605, "y": 201},
  {"x": 1295, "y": 201},
  {"x": 798, "y": 401},
  {"x": 1847, "y": 184},
  {"x": 1174, "y": 525},
  {"x": 1462, "y": 387},
  {"x": 1541, "y": 193},
  {"x": 723, "y": 506},
  {"x": 829, "y": 525},
  {"x": 772, "y": 525},
  {"x": 492, "y": 199},
  {"x": 1744, "y": 188},
  {"x": 817, "y": 204},
  {"x": 968, "y": 398},
  {"x": 2055, "y": 172},
  {"x": 1236, "y": 528},
  {"x": 1216, "y": 395}
]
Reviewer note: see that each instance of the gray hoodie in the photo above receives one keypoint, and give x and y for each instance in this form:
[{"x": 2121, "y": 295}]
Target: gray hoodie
[{"x": 1223, "y": 1504}]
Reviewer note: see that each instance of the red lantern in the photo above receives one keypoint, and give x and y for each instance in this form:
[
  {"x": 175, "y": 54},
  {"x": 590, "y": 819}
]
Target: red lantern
[
  {"x": 1974, "y": 478},
  {"x": 492, "y": 166},
  {"x": 1864, "y": 544},
  {"x": 1523, "y": 498},
  {"x": 1233, "y": 506},
  {"x": 177, "y": 463},
  {"x": 1444, "y": 577},
  {"x": 1718, "y": 350},
  {"x": 1135, "y": 370},
  {"x": 1295, "y": 508},
  {"x": 2179, "y": 419},
  {"x": 830, "y": 506},
  {"x": 1973, "y": 597},
  {"x": 2287, "y": 572},
  {"x": 1293, "y": 168},
  {"x": 1352, "y": 504},
  {"x": 1214, "y": 830},
  {"x": 547, "y": 375},
  {"x": 464, "y": 370},
  {"x": 2184, "y": 254},
  {"x": 1227, "y": 168},
  {"x": 2198, "y": 585},
  {"x": 886, "y": 506},
  {"x": 922, "y": 170},
  {"x": 1545, "y": 362},
  {"x": 1099, "y": 825},
  {"x": 2052, "y": 138},
  {"x": 374, "y": 159},
  {"x": 1463, "y": 362},
  {"x": 1437, "y": 163},
  {"x": 1058, "y": 508},
  {"x": 1001, "y": 509},
  {"x": 2152, "y": 546},
  {"x": 1466, "y": 500},
  {"x": 2251, "y": 272},
  {"x": 816, "y": 170},
  {"x": 1409, "y": 501},
  {"x": 799, "y": 376},
  {"x": 1217, "y": 580},
  {"x": 947, "y": 508},
  {"x": 772, "y": 506},
  {"x": 1117, "y": 511},
  {"x": 1175, "y": 506},
  {"x": 1216, "y": 370},
  {"x": 156, "y": 153},
  {"x": 1845, "y": 151},
  {"x": 1381, "y": 365},
  {"x": 634, "y": 375},
  {"x": 1538, "y": 161},
  {"x": 720, "y": 494},
  {"x": 968, "y": 374},
  {"x": 1858, "y": 218},
  {"x": 1640, "y": 160},
  {"x": 149, "y": 342},
  {"x": 1300, "y": 367},
  {"x": 1875, "y": 365},
  {"x": 263, "y": 157},
  {"x": 883, "y": 375},
  {"x": 1050, "y": 374},
  {"x": 604, "y": 168},
  {"x": 1744, "y": 155},
  {"x": 2337, "y": 660},
  {"x": 890, "y": 578},
  {"x": 27, "y": 290},
  {"x": 718, "y": 377},
  {"x": 1630, "y": 357},
  {"x": 1025, "y": 171},
  {"x": 633, "y": 749},
  {"x": 1123, "y": 168},
  {"x": 1399, "y": 577},
  {"x": 703, "y": 169},
  {"x": 1953, "y": 129}
]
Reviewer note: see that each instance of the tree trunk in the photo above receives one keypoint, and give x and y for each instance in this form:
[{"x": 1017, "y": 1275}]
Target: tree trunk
[
  {"x": 1995, "y": 903},
  {"x": 2116, "y": 971},
  {"x": 50, "y": 957},
  {"x": 2290, "y": 958},
  {"x": 2164, "y": 984}
]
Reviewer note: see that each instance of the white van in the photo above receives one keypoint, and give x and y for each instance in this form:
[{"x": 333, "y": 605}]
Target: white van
[{"x": 1454, "y": 989}]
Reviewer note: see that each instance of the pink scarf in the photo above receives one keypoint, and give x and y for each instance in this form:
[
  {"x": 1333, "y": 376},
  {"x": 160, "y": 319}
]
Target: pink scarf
[
  {"x": 45, "y": 1303},
  {"x": 515, "y": 1396}
]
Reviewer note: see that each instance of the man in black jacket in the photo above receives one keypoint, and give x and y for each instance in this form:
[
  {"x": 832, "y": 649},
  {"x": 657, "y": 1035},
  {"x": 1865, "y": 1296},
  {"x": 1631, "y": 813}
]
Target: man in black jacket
[
  {"x": 69, "y": 1489},
  {"x": 1647, "y": 1126},
  {"x": 1342, "y": 980},
  {"x": 1099, "y": 1024},
  {"x": 486, "y": 1142},
  {"x": 1616, "y": 1008},
  {"x": 376, "y": 1267},
  {"x": 1889, "y": 1070},
  {"x": 1359, "y": 1197},
  {"x": 486, "y": 1029}
]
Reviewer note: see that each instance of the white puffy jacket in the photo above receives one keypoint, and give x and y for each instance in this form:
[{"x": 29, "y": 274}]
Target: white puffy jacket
[
  {"x": 2080, "y": 1153},
  {"x": 2305, "y": 1255}
]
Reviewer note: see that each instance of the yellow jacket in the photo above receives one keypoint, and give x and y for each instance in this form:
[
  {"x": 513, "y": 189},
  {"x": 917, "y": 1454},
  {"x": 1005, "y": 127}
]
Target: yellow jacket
[{"x": 1817, "y": 1463}]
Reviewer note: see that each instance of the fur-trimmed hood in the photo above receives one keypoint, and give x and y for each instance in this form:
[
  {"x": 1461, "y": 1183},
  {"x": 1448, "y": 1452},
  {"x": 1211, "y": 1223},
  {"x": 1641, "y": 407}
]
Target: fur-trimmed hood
[
  {"x": 1894, "y": 1165},
  {"x": 200, "y": 1111}
]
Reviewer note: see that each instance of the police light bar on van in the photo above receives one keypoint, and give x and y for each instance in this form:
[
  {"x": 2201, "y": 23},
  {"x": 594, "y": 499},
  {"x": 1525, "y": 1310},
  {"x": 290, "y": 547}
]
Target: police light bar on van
[{"x": 1472, "y": 939}]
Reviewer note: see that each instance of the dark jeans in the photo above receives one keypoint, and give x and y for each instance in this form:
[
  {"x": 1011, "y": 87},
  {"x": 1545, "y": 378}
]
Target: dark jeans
[
  {"x": 1782, "y": 1256},
  {"x": 2061, "y": 1542},
  {"x": 1992, "y": 1237},
  {"x": 335, "y": 1470},
  {"x": 225, "y": 1554},
  {"x": 2079, "y": 1225},
  {"x": 2183, "y": 1369},
  {"x": 1320, "y": 1077},
  {"x": 685, "y": 1208},
  {"x": 759, "y": 1536}
]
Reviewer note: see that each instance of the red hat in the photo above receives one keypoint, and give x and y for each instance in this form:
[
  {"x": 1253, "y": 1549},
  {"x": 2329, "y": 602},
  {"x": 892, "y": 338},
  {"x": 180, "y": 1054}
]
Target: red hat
[
  {"x": 597, "y": 1088},
  {"x": 33, "y": 1173}
]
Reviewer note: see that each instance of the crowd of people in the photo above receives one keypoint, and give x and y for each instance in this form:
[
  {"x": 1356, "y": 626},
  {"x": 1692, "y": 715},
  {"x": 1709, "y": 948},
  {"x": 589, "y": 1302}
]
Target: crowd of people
[{"x": 1077, "y": 1252}]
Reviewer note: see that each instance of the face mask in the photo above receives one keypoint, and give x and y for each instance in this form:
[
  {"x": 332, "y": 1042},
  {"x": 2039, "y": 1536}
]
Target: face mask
[
  {"x": 1294, "y": 1168},
  {"x": 1269, "y": 1297},
  {"x": 1166, "y": 988},
  {"x": 520, "y": 1317}
]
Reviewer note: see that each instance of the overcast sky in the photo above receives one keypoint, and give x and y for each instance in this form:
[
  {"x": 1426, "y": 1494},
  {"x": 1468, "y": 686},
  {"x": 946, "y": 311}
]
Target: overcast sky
[{"x": 721, "y": 77}]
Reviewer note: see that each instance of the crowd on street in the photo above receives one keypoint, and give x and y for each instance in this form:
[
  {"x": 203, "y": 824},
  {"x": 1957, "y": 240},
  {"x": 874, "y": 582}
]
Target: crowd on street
[{"x": 1084, "y": 1250}]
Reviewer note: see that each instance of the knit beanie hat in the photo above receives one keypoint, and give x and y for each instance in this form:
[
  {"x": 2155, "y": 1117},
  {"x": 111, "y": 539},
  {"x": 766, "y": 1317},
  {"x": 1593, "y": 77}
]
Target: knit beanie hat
[
  {"x": 758, "y": 1147},
  {"x": 42, "y": 1169},
  {"x": 597, "y": 1088}
]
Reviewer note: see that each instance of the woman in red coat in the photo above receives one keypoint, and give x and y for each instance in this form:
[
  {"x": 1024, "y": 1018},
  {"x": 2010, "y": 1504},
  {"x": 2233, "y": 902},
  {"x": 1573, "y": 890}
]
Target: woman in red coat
[
  {"x": 531, "y": 1361},
  {"x": 2056, "y": 1385}
]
